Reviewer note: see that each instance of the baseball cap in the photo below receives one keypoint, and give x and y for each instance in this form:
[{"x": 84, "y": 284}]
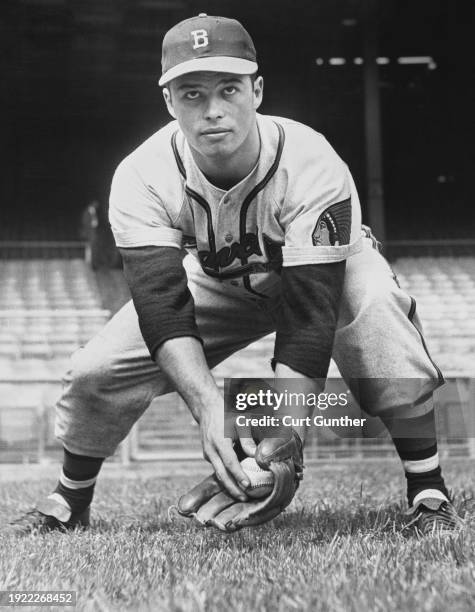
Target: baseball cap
[{"x": 206, "y": 43}]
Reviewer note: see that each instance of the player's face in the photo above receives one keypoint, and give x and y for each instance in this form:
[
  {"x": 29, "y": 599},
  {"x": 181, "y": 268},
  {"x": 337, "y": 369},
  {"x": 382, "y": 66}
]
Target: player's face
[{"x": 216, "y": 111}]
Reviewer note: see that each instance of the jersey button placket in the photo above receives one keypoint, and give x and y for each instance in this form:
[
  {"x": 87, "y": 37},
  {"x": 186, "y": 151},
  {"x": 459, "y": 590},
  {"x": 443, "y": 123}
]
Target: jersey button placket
[{"x": 228, "y": 237}]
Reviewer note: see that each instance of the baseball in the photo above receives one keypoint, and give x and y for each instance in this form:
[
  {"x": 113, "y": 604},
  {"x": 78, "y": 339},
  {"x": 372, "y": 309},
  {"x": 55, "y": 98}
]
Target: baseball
[{"x": 262, "y": 481}]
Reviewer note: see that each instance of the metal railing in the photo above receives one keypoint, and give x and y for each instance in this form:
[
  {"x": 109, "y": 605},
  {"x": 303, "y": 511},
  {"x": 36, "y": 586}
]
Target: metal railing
[
  {"x": 393, "y": 249},
  {"x": 43, "y": 249},
  {"x": 68, "y": 249},
  {"x": 27, "y": 428}
]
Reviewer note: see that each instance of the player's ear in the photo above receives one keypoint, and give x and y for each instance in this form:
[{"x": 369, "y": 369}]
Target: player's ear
[
  {"x": 168, "y": 101},
  {"x": 258, "y": 91}
]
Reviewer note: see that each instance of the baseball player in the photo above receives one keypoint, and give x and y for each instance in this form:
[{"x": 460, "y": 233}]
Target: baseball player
[{"x": 272, "y": 217}]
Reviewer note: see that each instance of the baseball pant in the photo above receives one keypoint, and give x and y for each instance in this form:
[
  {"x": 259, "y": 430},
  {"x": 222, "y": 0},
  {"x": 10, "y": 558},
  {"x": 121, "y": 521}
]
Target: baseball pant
[{"x": 378, "y": 349}]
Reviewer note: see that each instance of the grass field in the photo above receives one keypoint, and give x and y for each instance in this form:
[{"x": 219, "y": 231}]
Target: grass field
[{"x": 341, "y": 545}]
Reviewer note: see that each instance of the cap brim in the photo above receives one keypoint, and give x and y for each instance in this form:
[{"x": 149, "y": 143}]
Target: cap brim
[{"x": 233, "y": 65}]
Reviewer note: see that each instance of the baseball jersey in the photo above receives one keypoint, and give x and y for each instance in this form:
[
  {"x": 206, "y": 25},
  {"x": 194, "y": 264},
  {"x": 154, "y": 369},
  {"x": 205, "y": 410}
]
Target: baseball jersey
[{"x": 298, "y": 205}]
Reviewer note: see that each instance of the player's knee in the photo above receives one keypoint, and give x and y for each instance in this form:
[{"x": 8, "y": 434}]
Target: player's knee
[{"x": 90, "y": 373}]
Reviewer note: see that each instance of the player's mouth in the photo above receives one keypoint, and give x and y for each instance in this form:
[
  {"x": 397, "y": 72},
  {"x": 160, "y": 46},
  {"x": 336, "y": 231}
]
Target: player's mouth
[{"x": 215, "y": 133}]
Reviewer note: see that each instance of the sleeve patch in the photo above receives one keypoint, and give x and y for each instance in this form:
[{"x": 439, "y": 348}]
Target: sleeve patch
[{"x": 333, "y": 227}]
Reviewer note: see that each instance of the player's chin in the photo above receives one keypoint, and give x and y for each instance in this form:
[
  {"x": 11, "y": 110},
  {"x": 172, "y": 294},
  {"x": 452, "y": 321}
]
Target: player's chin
[{"x": 218, "y": 149}]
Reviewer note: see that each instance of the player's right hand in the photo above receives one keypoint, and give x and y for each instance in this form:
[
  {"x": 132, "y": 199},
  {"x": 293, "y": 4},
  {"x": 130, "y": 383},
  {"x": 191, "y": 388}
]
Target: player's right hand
[
  {"x": 210, "y": 505},
  {"x": 219, "y": 451}
]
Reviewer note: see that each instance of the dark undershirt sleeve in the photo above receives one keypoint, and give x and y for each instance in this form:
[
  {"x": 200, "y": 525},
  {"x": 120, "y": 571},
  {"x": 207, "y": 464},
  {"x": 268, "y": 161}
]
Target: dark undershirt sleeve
[
  {"x": 308, "y": 317},
  {"x": 159, "y": 288}
]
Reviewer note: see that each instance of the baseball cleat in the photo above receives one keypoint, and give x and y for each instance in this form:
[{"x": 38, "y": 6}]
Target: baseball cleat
[
  {"x": 434, "y": 516},
  {"x": 48, "y": 515}
]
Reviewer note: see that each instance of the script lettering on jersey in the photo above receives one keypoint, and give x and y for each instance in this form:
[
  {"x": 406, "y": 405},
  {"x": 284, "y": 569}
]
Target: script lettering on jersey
[
  {"x": 200, "y": 38},
  {"x": 225, "y": 256}
]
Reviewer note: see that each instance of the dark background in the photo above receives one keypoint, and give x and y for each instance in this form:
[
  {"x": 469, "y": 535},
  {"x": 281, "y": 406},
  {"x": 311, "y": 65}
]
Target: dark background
[{"x": 79, "y": 91}]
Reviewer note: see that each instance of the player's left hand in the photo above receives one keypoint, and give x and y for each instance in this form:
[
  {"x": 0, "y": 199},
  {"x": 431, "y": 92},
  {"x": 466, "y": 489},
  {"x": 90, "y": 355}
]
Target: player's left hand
[{"x": 211, "y": 505}]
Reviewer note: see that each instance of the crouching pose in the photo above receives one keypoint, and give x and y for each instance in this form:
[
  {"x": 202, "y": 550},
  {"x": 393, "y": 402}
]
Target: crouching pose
[{"x": 273, "y": 218}]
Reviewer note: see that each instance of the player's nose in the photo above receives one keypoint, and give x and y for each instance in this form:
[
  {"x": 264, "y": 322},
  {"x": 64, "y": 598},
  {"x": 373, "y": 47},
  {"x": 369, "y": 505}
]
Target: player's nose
[{"x": 214, "y": 109}]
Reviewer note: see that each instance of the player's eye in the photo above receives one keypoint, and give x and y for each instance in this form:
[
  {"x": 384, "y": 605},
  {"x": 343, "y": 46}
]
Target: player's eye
[
  {"x": 230, "y": 90},
  {"x": 192, "y": 95}
]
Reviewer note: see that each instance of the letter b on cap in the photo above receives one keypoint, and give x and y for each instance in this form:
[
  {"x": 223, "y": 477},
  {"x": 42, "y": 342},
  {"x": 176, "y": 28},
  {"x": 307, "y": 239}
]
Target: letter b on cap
[{"x": 200, "y": 38}]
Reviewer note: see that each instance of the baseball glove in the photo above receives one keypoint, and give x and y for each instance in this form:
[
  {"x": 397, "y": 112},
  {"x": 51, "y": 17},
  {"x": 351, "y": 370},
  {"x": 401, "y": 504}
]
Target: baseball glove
[{"x": 211, "y": 505}]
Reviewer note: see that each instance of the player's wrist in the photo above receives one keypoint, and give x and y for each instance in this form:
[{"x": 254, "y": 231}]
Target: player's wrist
[{"x": 206, "y": 404}]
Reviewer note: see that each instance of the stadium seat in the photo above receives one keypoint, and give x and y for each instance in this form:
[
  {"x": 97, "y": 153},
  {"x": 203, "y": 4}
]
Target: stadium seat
[
  {"x": 65, "y": 349},
  {"x": 10, "y": 350},
  {"x": 36, "y": 349}
]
